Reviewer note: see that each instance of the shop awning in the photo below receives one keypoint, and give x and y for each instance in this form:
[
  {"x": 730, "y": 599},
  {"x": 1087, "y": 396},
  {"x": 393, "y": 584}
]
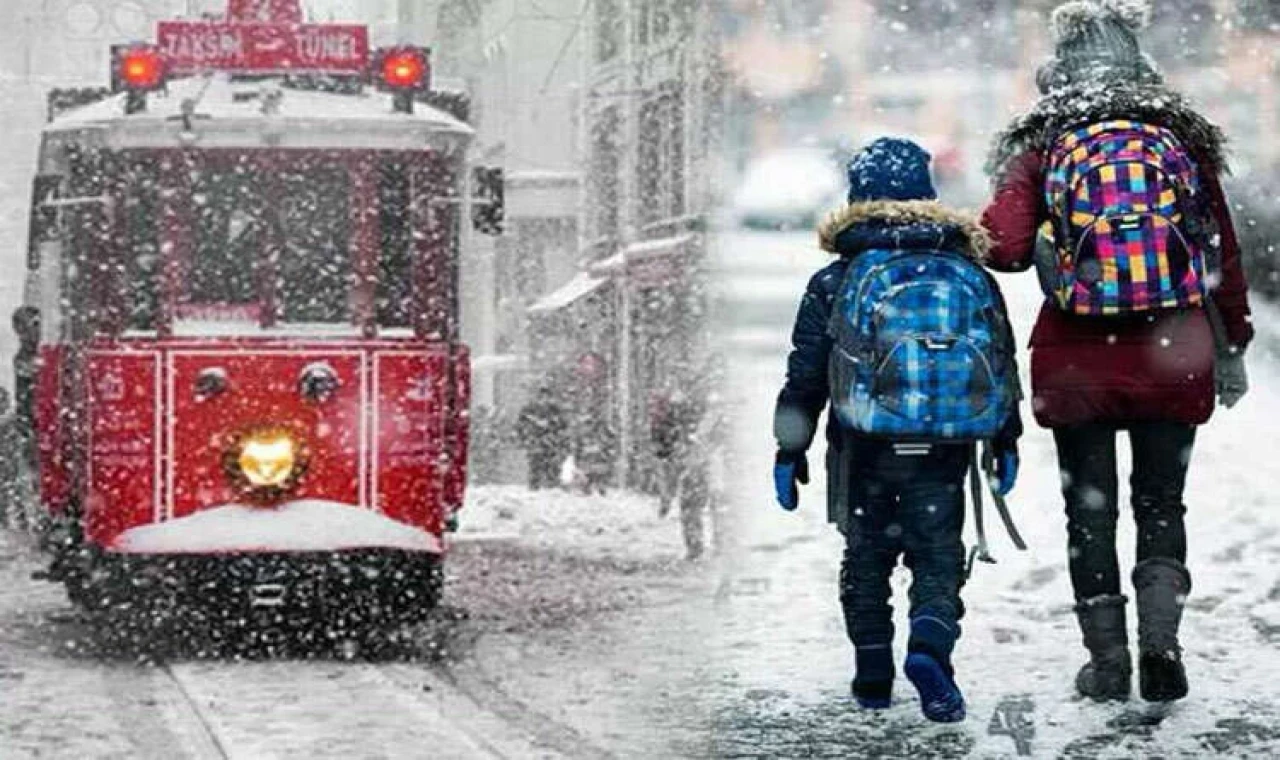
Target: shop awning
[
  {"x": 582, "y": 285},
  {"x": 645, "y": 250},
  {"x": 659, "y": 248},
  {"x": 499, "y": 362}
]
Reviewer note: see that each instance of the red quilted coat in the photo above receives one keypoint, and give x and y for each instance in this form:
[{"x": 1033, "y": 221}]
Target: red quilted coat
[{"x": 1140, "y": 368}]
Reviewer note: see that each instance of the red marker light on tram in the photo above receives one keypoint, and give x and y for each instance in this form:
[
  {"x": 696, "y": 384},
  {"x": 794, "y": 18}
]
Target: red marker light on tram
[
  {"x": 404, "y": 69},
  {"x": 140, "y": 69}
]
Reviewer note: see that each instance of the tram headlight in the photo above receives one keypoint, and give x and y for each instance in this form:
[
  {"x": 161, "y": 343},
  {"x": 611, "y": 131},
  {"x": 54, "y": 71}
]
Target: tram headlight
[{"x": 266, "y": 463}]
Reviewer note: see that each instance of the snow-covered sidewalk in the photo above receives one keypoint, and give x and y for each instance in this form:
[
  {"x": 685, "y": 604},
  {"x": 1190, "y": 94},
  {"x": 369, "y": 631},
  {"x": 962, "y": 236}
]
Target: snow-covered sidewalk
[
  {"x": 784, "y": 664},
  {"x": 618, "y": 525}
]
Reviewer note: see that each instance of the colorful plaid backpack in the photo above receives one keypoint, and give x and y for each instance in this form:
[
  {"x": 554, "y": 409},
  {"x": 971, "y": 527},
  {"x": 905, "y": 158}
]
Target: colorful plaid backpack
[
  {"x": 1125, "y": 232},
  {"x": 921, "y": 348}
]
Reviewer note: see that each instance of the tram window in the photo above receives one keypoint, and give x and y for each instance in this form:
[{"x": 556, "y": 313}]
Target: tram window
[
  {"x": 314, "y": 267},
  {"x": 142, "y": 253},
  {"x": 395, "y": 264},
  {"x": 231, "y": 233},
  {"x": 44, "y": 216}
]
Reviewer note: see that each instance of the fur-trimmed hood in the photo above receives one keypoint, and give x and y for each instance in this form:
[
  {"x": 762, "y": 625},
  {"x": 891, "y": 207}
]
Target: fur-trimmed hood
[
  {"x": 863, "y": 226},
  {"x": 1103, "y": 99}
]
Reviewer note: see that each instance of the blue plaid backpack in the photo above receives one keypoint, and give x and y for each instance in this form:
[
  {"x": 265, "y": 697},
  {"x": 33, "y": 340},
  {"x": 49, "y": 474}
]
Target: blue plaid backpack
[{"x": 921, "y": 349}]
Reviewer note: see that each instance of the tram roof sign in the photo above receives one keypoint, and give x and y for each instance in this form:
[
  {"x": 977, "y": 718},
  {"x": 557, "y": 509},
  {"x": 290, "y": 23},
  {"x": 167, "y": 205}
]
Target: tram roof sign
[{"x": 191, "y": 47}]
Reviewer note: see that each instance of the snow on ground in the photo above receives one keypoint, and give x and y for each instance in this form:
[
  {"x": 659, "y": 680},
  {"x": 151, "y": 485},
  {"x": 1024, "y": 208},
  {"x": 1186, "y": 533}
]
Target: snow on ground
[
  {"x": 581, "y": 618},
  {"x": 783, "y": 662},
  {"x": 616, "y": 525},
  {"x": 565, "y": 623}
]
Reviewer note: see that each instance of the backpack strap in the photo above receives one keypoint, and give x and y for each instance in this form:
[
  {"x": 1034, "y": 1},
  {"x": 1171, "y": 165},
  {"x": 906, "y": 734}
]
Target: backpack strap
[
  {"x": 979, "y": 550},
  {"x": 1002, "y": 507},
  {"x": 1059, "y": 203}
]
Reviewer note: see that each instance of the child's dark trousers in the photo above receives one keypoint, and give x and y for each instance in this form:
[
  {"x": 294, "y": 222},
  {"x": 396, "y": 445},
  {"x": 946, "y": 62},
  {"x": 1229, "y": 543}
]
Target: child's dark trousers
[{"x": 904, "y": 501}]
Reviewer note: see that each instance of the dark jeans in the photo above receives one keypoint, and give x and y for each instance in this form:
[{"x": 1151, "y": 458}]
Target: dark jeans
[
  {"x": 909, "y": 506},
  {"x": 1087, "y": 458},
  {"x": 544, "y": 468}
]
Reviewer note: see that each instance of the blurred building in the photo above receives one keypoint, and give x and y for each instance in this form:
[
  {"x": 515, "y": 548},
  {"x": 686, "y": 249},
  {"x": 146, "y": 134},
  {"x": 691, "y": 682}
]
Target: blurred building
[
  {"x": 629, "y": 323},
  {"x": 519, "y": 64},
  {"x": 952, "y": 72}
]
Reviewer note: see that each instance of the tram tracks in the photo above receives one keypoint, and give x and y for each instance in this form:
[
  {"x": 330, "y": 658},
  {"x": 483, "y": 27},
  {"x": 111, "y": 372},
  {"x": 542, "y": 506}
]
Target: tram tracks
[
  {"x": 269, "y": 708},
  {"x": 203, "y": 736},
  {"x": 510, "y": 727},
  {"x": 298, "y": 709},
  {"x": 159, "y": 717}
]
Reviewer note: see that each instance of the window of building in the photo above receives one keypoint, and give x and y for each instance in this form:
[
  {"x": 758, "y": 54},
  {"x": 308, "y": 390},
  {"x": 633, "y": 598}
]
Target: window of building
[
  {"x": 660, "y": 174},
  {"x": 659, "y": 20},
  {"x": 609, "y": 29},
  {"x": 606, "y": 164}
]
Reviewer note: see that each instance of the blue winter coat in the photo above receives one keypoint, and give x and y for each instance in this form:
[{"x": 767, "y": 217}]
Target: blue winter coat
[{"x": 878, "y": 225}]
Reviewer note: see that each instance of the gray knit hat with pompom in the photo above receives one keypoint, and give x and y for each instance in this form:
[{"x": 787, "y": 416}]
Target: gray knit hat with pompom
[{"x": 1097, "y": 38}]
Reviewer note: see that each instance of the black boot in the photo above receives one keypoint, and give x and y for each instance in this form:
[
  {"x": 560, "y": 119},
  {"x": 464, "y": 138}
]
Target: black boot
[
  {"x": 1162, "y": 586},
  {"x": 873, "y": 679},
  {"x": 1107, "y": 674}
]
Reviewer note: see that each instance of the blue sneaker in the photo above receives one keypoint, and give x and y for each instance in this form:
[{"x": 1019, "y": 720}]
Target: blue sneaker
[{"x": 940, "y": 698}]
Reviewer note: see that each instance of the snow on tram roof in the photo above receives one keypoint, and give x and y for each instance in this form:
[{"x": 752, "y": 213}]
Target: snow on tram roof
[{"x": 229, "y": 106}]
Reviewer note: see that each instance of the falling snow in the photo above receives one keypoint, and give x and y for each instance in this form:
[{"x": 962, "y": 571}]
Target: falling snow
[{"x": 613, "y": 213}]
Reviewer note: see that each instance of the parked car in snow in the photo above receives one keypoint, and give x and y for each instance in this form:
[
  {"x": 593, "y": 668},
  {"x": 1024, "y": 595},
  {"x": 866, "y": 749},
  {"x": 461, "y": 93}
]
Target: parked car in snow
[{"x": 788, "y": 189}]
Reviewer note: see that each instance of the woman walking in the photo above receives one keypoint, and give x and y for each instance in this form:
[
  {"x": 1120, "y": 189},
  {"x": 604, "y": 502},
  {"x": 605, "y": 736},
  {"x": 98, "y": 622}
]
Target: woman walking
[{"x": 1110, "y": 185}]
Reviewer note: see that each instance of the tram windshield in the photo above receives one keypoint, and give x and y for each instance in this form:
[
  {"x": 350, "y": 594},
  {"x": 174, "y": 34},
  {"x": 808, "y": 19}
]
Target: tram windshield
[
  {"x": 264, "y": 241},
  {"x": 236, "y": 243}
]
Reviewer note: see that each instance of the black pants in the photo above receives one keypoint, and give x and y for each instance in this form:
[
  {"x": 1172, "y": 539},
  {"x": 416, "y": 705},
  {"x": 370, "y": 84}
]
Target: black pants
[
  {"x": 909, "y": 506},
  {"x": 1087, "y": 458},
  {"x": 544, "y": 468}
]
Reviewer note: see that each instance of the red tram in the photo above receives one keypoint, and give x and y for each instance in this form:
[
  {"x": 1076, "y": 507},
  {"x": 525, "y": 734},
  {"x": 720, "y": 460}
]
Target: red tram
[{"x": 244, "y": 264}]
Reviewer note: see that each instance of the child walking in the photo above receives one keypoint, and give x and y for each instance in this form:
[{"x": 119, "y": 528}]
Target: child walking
[{"x": 907, "y": 338}]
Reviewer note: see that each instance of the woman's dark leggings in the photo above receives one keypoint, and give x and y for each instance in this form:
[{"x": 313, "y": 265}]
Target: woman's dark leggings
[{"x": 1087, "y": 458}]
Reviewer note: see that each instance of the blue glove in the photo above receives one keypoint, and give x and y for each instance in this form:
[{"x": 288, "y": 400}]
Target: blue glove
[
  {"x": 788, "y": 469},
  {"x": 1006, "y": 468}
]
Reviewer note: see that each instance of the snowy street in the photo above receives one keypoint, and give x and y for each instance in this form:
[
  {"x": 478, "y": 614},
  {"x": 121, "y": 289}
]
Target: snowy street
[
  {"x": 781, "y": 651},
  {"x": 570, "y": 628},
  {"x": 390, "y": 379},
  {"x": 525, "y": 659}
]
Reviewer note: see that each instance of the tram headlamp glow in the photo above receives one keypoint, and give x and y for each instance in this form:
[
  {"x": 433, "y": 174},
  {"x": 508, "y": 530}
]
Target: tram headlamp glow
[{"x": 268, "y": 461}]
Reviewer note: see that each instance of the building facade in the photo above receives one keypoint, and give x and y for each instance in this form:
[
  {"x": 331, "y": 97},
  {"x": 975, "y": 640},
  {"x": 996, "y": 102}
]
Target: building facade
[
  {"x": 635, "y": 312},
  {"x": 518, "y": 64},
  {"x": 951, "y": 73}
]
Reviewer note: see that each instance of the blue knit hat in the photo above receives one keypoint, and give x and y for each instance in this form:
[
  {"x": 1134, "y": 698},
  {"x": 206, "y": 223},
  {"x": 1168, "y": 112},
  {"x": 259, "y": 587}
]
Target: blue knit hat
[{"x": 890, "y": 168}]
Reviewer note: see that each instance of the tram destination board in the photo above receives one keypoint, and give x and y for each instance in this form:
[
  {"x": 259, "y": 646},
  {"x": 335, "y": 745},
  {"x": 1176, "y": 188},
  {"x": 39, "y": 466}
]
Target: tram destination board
[{"x": 192, "y": 47}]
